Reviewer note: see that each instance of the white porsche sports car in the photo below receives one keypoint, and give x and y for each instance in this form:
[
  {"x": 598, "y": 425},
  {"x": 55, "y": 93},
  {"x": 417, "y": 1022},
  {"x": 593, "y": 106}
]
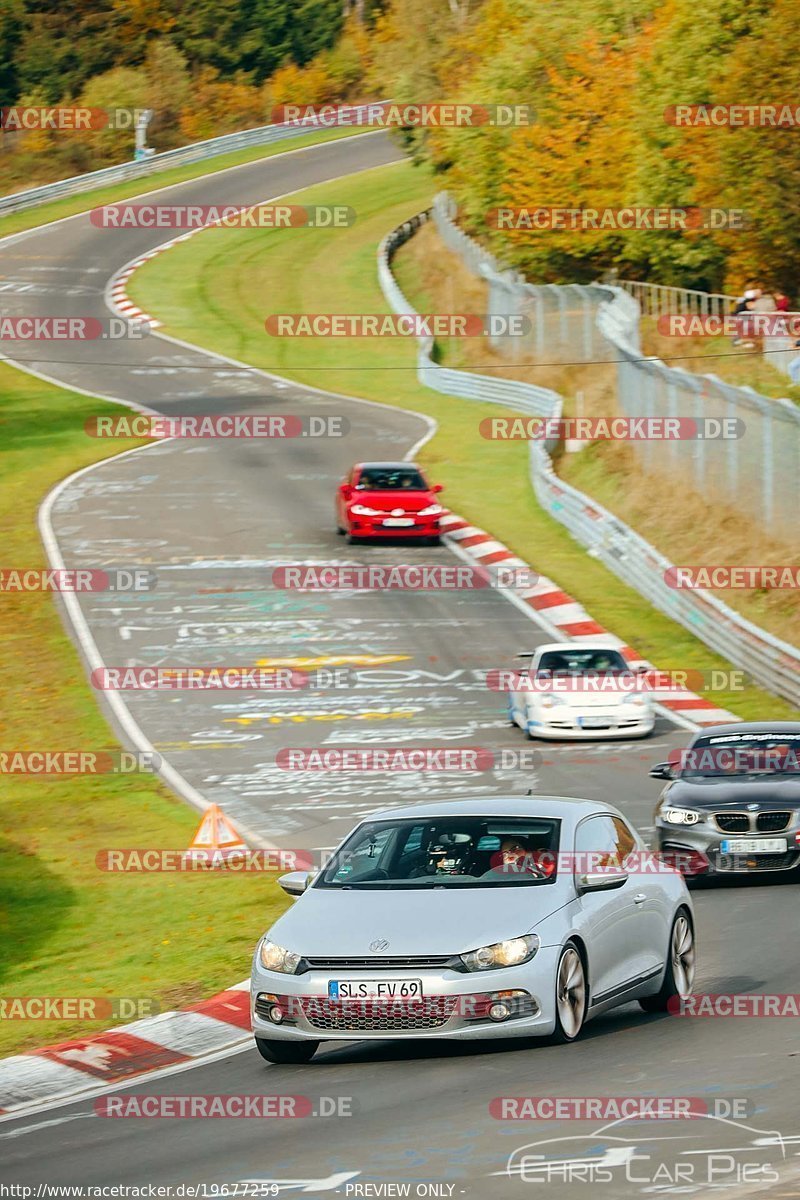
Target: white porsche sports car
[{"x": 579, "y": 690}]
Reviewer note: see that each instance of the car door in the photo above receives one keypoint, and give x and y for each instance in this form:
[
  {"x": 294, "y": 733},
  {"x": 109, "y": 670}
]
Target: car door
[
  {"x": 653, "y": 904},
  {"x": 611, "y": 925}
]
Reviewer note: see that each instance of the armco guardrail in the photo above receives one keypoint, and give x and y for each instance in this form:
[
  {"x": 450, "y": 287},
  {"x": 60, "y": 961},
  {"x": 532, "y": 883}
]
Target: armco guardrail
[
  {"x": 757, "y": 474},
  {"x": 766, "y": 659},
  {"x": 263, "y": 135}
]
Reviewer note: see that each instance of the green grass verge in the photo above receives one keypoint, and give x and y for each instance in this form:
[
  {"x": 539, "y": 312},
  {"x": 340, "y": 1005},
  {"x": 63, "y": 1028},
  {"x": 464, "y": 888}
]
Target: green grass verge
[
  {"x": 56, "y": 210},
  {"x": 67, "y": 928},
  {"x": 217, "y": 289}
]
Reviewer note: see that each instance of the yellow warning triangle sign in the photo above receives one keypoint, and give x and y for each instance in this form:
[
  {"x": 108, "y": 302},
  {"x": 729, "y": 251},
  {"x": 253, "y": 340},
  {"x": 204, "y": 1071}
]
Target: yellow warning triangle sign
[{"x": 216, "y": 832}]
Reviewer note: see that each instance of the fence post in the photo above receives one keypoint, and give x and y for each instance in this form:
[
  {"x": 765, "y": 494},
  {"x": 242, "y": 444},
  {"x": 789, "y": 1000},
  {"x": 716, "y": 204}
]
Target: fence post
[{"x": 768, "y": 474}]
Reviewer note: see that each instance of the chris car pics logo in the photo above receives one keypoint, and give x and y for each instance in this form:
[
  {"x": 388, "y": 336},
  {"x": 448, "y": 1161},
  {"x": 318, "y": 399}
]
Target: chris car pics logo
[{"x": 718, "y": 1155}]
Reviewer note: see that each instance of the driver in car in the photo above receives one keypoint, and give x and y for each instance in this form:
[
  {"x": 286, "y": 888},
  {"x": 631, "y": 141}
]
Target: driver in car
[{"x": 514, "y": 858}]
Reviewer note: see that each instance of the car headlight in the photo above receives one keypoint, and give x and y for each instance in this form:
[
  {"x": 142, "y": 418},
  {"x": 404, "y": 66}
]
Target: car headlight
[
  {"x": 276, "y": 958},
  {"x": 361, "y": 510},
  {"x": 680, "y": 816},
  {"x": 433, "y": 510},
  {"x": 637, "y": 699},
  {"x": 548, "y": 700},
  {"x": 502, "y": 954}
]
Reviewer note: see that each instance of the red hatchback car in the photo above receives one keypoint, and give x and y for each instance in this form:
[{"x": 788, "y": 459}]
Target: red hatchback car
[{"x": 388, "y": 500}]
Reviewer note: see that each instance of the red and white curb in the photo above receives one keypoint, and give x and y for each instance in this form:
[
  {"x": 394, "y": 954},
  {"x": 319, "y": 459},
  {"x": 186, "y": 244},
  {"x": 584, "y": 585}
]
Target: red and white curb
[
  {"x": 117, "y": 290},
  {"x": 116, "y": 1056},
  {"x": 568, "y": 620},
  {"x": 120, "y": 301}
]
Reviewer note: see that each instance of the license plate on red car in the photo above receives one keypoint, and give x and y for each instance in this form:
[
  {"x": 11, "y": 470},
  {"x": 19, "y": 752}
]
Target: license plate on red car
[{"x": 395, "y": 522}]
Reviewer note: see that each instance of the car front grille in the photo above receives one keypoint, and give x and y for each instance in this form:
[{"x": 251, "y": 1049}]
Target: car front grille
[
  {"x": 733, "y": 822},
  {"x": 398, "y": 962},
  {"x": 732, "y": 863},
  {"x": 772, "y": 822},
  {"x": 430, "y": 1012}
]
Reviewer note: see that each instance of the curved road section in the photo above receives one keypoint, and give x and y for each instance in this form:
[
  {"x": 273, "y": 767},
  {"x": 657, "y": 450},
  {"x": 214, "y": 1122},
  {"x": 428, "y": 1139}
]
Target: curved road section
[{"x": 212, "y": 520}]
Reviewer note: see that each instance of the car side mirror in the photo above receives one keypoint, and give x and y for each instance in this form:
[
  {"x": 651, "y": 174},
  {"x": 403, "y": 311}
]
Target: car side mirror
[
  {"x": 601, "y": 881},
  {"x": 661, "y": 771},
  {"x": 296, "y": 882},
  {"x": 346, "y": 490},
  {"x": 437, "y": 487}
]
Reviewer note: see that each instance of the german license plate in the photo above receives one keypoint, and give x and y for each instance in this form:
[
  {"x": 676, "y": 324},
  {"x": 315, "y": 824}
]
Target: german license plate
[
  {"x": 374, "y": 989},
  {"x": 754, "y": 846},
  {"x": 396, "y": 522},
  {"x": 594, "y": 722}
]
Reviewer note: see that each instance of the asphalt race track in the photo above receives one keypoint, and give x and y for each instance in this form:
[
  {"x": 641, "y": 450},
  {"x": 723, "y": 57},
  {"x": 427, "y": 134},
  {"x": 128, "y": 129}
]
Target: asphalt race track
[{"x": 211, "y": 519}]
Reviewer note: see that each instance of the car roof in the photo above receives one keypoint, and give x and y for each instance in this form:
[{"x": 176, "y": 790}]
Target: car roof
[
  {"x": 776, "y": 727},
  {"x": 571, "y": 808},
  {"x": 561, "y": 646}
]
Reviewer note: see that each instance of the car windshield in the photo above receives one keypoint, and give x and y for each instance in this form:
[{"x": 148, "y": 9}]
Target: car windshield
[
  {"x": 391, "y": 479},
  {"x": 446, "y": 852},
  {"x": 578, "y": 662},
  {"x": 739, "y": 755}
]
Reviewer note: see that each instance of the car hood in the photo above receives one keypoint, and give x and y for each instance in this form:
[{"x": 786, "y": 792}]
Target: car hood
[
  {"x": 604, "y": 698},
  {"x": 329, "y": 923},
  {"x": 768, "y": 792},
  {"x": 386, "y": 501}
]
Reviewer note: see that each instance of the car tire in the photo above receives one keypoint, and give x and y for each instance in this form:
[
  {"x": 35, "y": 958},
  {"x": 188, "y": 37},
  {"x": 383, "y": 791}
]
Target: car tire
[
  {"x": 572, "y": 994},
  {"x": 286, "y": 1052},
  {"x": 351, "y": 540},
  {"x": 340, "y": 531},
  {"x": 679, "y": 975}
]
